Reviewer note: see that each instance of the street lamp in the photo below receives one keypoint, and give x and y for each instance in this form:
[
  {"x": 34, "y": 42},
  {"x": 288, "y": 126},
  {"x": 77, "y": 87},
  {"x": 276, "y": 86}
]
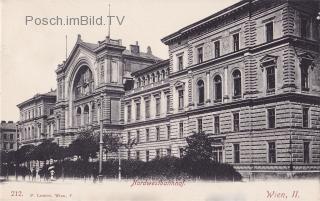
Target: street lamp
[{"x": 101, "y": 140}]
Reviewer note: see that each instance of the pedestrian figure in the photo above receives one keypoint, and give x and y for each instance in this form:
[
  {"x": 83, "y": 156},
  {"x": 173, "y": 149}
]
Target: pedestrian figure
[{"x": 34, "y": 174}]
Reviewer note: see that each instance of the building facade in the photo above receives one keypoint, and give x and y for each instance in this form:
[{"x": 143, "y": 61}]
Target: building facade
[
  {"x": 35, "y": 123},
  {"x": 247, "y": 75},
  {"x": 8, "y": 136}
]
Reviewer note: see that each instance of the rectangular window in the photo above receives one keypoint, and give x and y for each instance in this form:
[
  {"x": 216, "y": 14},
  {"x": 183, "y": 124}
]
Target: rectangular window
[
  {"x": 217, "y": 49},
  {"x": 169, "y": 152},
  {"x": 271, "y": 79},
  {"x": 199, "y": 125},
  {"x": 181, "y": 103},
  {"x": 4, "y": 136},
  {"x": 236, "y": 153},
  {"x": 147, "y": 135},
  {"x": 271, "y": 118},
  {"x": 138, "y": 155},
  {"x": 115, "y": 112},
  {"x": 147, "y": 155},
  {"x": 216, "y": 125},
  {"x": 138, "y": 111},
  {"x": 236, "y": 42},
  {"x": 272, "y": 152},
  {"x": 129, "y": 154},
  {"x": 269, "y": 31},
  {"x": 168, "y": 104},
  {"x": 129, "y": 136},
  {"x": 181, "y": 152},
  {"x": 114, "y": 71},
  {"x": 304, "y": 78},
  {"x": 157, "y": 153},
  {"x": 180, "y": 62},
  {"x": 138, "y": 136},
  {"x": 306, "y": 152},
  {"x": 148, "y": 109},
  {"x": 181, "y": 129},
  {"x": 157, "y": 106},
  {"x": 169, "y": 132},
  {"x": 217, "y": 154},
  {"x": 305, "y": 117},
  {"x": 236, "y": 125},
  {"x": 200, "y": 54},
  {"x": 11, "y": 145},
  {"x": 158, "y": 133},
  {"x": 129, "y": 113},
  {"x": 304, "y": 27},
  {"x": 11, "y": 136}
]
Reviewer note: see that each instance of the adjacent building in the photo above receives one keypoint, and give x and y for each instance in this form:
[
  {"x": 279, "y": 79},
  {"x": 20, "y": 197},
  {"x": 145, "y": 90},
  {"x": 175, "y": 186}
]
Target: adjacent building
[
  {"x": 9, "y": 136},
  {"x": 248, "y": 75}
]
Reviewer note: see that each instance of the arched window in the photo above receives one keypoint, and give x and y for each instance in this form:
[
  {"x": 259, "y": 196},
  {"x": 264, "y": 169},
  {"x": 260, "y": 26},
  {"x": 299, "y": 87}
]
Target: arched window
[
  {"x": 29, "y": 133},
  {"x": 153, "y": 77},
  {"x": 217, "y": 88},
  {"x": 236, "y": 83},
  {"x": 148, "y": 79},
  {"x": 158, "y": 76},
  {"x": 139, "y": 82},
  {"x": 163, "y": 73},
  {"x": 32, "y": 133},
  {"x": 93, "y": 113},
  {"x": 78, "y": 117},
  {"x": 200, "y": 85},
  {"x": 143, "y": 81},
  {"x": 86, "y": 114}
]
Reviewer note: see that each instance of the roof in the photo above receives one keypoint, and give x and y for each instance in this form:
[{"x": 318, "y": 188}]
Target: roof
[
  {"x": 142, "y": 54},
  {"x": 50, "y": 94},
  {"x": 203, "y": 21},
  {"x": 8, "y": 126},
  {"x": 159, "y": 64}
]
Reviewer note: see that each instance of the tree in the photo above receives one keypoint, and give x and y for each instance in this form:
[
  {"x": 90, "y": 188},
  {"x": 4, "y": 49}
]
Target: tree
[
  {"x": 25, "y": 153},
  {"x": 199, "y": 147},
  {"x": 85, "y": 146},
  {"x": 45, "y": 151}
]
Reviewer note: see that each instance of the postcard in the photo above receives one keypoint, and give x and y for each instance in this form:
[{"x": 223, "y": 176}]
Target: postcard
[{"x": 160, "y": 100}]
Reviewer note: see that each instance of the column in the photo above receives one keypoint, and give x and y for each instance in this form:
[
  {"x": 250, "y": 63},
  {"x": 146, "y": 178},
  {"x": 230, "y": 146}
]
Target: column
[
  {"x": 225, "y": 83},
  {"x": 208, "y": 86}
]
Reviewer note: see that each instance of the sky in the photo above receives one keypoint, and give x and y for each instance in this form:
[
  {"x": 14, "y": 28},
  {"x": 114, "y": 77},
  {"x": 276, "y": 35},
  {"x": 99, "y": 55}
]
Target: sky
[{"x": 30, "y": 53}]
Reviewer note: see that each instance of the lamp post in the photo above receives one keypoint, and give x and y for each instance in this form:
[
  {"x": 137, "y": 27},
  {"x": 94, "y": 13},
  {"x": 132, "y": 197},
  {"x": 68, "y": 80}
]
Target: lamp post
[{"x": 101, "y": 139}]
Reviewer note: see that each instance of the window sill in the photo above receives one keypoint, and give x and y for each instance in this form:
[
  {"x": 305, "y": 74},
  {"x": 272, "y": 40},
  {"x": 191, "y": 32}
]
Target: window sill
[
  {"x": 218, "y": 101},
  {"x": 236, "y": 97},
  {"x": 305, "y": 89},
  {"x": 271, "y": 91},
  {"x": 200, "y": 104}
]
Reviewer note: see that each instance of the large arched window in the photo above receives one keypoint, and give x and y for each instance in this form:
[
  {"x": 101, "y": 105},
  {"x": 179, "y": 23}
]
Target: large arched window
[
  {"x": 86, "y": 114},
  {"x": 236, "y": 83},
  {"x": 78, "y": 116},
  {"x": 83, "y": 83},
  {"x": 163, "y": 74},
  {"x": 93, "y": 113},
  {"x": 218, "y": 88},
  {"x": 200, "y": 86},
  {"x": 139, "y": 82},
  {"x": 153, "y": 77},
  {"x": 158, "y": 76},
  {"x": 143, "y": 81}
]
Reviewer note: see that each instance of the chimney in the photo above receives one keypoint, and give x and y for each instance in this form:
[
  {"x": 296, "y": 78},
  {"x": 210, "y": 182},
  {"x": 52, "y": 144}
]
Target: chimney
[
  {"x": 149, "y": 50},
  {"x": 135, "y": 48},
  {"x": 10, "y": 122},
  {"x": 3, "y": 122}
]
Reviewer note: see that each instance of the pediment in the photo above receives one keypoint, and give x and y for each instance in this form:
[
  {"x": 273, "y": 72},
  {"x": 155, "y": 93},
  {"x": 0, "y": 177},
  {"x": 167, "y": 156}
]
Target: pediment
[
  {"x": 268, "y": 60},
  {"x": 179, "y": 84}
]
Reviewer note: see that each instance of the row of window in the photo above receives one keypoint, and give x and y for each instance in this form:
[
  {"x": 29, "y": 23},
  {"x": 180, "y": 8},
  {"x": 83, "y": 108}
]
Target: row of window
[
  {"x": 272, "y": 153},
  {"x": 36, "y": 112},
  {"x": 158, "y": 154},
  {"x": 147, "y": 108},
  {"x": 137, "y": 137},
  {"x": 152, "y": 78},
  {"x": 6, "y": 138},
  {"x": 7, "y": 146},
  {"x": 271, "y": 120}
]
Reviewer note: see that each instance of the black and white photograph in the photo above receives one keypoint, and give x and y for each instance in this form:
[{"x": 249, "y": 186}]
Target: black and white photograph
[{"x": 142, "y": 100}]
